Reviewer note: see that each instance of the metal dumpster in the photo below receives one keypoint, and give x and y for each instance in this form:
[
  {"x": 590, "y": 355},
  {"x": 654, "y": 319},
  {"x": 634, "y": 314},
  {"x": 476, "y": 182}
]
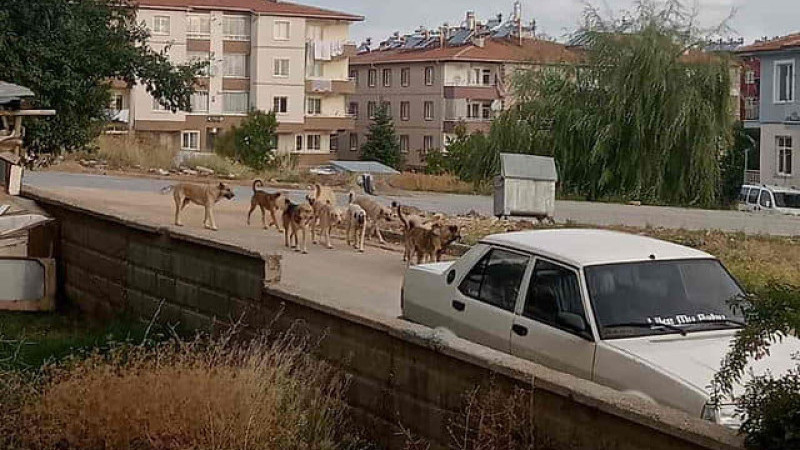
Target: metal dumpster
[{"x": 526, "y": 187}]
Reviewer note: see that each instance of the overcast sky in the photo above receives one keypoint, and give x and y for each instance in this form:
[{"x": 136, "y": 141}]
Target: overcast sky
[{"x": 752, "y": 19}]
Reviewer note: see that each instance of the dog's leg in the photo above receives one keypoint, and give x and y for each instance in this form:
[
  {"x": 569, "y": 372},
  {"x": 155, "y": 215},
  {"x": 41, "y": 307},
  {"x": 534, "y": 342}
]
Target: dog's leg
[
  {"x": 252, "y": 208},
  {"x": 361, "y": 244},
  {"x": 274, "y": 220},
  {"x": 286, "y": 235},
  {"x": 328, "y": 237},
  {"x": 314, "y": 239},
  {"x": 304, "y": 230},
  {"x": 264, "y": 217}
]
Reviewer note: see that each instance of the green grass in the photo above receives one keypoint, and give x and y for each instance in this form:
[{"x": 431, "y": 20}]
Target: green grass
[{"x": 27, "y": 340}]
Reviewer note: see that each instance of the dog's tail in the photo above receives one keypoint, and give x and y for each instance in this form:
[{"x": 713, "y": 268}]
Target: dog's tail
[
  {"x": 351, "y": 197},
  {"x": 317, "y": 190},
  {"x": 167, "y": 190},
  {"x": 406, "y": 223},
  {"x": 257, "y": 184}
]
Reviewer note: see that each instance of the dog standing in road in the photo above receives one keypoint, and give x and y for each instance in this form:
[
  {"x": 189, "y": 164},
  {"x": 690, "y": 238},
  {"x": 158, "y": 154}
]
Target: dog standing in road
[
  {"x": 205, "y": 195},
  {"x": 296, "y": 219},
  {"x": 326, "y": 216},
  {"x": 428, "y": 242},
  {"x": 356, "y": 226},
  {"x": 272, "y": 202},
  {"x": 411, "y": 221},
  {"x": 375, "y": 214}
]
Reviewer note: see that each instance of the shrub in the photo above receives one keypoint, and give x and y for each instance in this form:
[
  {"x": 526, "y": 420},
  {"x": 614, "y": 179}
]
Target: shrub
[
  {"x": 179, "y": 394},
  {"x": 382, "y": 144},
  {"x": 252, "y": 143},
  {"x": 220, "y": 165},
  {"x": 126, "y": 151}
]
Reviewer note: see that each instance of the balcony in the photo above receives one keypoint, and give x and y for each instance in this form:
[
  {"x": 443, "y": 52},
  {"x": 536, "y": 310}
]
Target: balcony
[
  {"x": 752, "y": 177},
  {"x": 330, "y": 87},
  {"x": 752, "y": 111},
  {"x": 475, "y": 92},
  {"x": 472, "y": 125},
  {"x": 330, "y": 123}
]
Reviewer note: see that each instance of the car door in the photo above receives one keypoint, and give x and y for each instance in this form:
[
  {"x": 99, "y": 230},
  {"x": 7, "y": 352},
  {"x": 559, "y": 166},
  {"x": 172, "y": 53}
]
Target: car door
[
  {"x": 486, "y": 298},
  {"x": 765, "y": 201},
  {"x": 752, "y": 199},
  {"x": 552, "y": 328}
]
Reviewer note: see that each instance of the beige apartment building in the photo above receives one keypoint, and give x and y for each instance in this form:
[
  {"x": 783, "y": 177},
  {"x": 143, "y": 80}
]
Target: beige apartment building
[
  {"x": 263, "y": 54},
  {"x": 434, "y": 81}
]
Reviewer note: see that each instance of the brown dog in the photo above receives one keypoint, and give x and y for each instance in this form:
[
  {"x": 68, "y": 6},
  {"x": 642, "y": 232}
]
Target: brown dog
[
  {"x": 272, "y": 202},
  {"x": 297, "y": 218},
  {"x": 375, "y": 213},
  {"x": 428, "y": 241},
  {"x": 204, "y": 195},
  {"x": 411, "y": 221}
]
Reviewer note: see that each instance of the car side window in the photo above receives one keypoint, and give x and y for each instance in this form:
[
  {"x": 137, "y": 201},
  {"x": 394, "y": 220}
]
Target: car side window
[
  {"x": 753, "y": 197},
  {"x": 496, "y": 279},
  {"x": 765, "y": 200},
  {"x": 743, "y": 194},
  {"x": 554, "y": 298}
]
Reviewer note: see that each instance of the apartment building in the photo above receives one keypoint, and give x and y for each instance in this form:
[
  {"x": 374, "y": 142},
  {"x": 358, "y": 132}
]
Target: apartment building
[
  {"x": 778, "y": 113},
  {"x": 262, "y": 54},
  {"x": 432, "y": 81}
]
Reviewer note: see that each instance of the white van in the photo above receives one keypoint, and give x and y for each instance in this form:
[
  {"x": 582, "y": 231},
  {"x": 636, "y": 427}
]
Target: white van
[{"x": 771, "y": 199}]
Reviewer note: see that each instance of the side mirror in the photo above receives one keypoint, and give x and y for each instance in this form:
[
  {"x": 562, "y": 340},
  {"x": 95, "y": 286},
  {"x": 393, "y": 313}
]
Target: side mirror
[{"x": 571, "y": 321}]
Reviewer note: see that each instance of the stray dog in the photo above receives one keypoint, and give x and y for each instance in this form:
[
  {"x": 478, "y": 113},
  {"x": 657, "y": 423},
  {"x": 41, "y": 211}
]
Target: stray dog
[
  {"x": 319, "y": 197},
  {"x": 204, "y": 195},
  {"x": 428, "y": 242},
  {"x": 296, "y": 218},
  {"x": 272, "y": 202},
  {"x": 411, "y": 221},
  {"x": 356, "y": 226},
  {"x": 326, "y": 216},
  {"x": 375, "y": 213}
]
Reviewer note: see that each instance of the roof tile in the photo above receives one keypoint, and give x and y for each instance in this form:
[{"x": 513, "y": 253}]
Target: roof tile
[
  {"x": 278, "y": 8},
  {"x": 782, "y": 43}
]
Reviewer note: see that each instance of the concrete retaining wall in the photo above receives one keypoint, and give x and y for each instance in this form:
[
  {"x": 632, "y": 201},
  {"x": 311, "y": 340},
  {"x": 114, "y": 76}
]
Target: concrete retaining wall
[{"x": 402, "y": 374}]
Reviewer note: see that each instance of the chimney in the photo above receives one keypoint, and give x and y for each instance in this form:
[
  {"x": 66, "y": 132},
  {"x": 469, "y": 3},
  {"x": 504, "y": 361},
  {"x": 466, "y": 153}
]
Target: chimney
[
  {"x": 471, "y": 20},
  {"x": 443, "y": 36},
  {"x": 517, "y": 11}
]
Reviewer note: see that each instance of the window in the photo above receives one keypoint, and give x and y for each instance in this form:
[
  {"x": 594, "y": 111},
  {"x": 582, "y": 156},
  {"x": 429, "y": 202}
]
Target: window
[
  {"x": 429, "y": 76},
  {"x": 784, "y": 81},
  {"x": 784, "y": 150},
  {"x": 235, "y": 102},
  {"x": 198, "y": 26},
  {"x": 353, "y": 142},
  {"x": 371, "y": 109},
  {"x": 314, "y": 106},
  {"x": 486, "y": 77},
  {"x": 314, "y": 142},
  {"x": 405, "y": 77},
  {"x": 404, "y": 143},
  {"x": 280, "y": 105},
  {"x": 496, "y": 279},
  {"x": 236, "y": 28},
  {"x": 554, "y": 298},
  {"x": 196, "y": 57},
  {"x": 405, "y": 110},
  {"x": 473, "y": 110},
  {"x": 753, "y": 197},
  {"x": 388, "y": 107},
  {"x": 765, "y": 201},
  {"x": 315, "y": 69},
  {"x": 353, "y": 109},
  {"x": 200, "y": 102},
  {"x": 743, "y": 193},
  {"x": 235, "y": 65},
  {"x": 158, "y": 106},
  {"x": 282, "y": 31},
  {"x": 387, "y": 77},
  {"x": 281, "y": 67},
  {"x": 750, "y": 76},
  {"x": 334, "y": 142},
  {"x": 354, "y": 76},
  {"x": 298, "y": 143},
  {"x": 190, "y": 140},
  {"x": 117, "y": 102},
  {"x": 427, "y": 144},
  {"x": 161, "y": 25},
  {"x": 372, "y": 77},
  {"x": 428, "y": 110}
]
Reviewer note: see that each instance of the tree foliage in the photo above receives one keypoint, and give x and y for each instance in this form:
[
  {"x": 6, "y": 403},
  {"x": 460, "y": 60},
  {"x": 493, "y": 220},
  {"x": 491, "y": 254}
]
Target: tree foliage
[
  {"x": 771, "y": 403},
  {"x": 67, "y": 51},
  {"x": 253, "y": 142},
  {"x": 382, "y": 144}
]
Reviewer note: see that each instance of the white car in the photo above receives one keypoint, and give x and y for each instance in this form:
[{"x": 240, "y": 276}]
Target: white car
[
  {"x": 770, "y": 199},
  {"x": 636, "y": 314}
]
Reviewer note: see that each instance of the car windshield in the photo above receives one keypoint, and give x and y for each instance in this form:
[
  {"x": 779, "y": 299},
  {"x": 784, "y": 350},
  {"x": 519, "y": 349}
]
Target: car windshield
[
  {"x": 659, "y": 297},
  {"x": 787, "y": 200}
]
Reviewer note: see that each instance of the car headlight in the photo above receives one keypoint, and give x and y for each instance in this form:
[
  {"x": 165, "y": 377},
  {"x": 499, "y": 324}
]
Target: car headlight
[{"x": 725, "y": 415}]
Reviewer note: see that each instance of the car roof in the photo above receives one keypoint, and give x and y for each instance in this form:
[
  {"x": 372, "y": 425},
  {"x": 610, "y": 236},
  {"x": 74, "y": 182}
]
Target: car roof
[
  {"x": 779, "y": 189},
  {"x": 587, "y": 247}
]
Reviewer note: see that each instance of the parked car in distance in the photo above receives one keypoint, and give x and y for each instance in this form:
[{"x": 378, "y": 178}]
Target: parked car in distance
[
  {"x": 639, "y": 315},
  {"x": 770, "y": 199}
]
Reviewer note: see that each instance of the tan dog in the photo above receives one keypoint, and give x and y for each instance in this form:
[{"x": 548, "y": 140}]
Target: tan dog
[
  {"x": 297, "y": 218},
  {"x": 356, "y": 226},
  {"x": 204, "y": 195},
  {"x": 375, "y": 213},
  {"x": 411, "y": 221},
  {"x": 272, "y": 202},
  {"x": 326, "y": 216},
  {"x": 428, "y": 242},
  {"x": 319, "y": 197}
]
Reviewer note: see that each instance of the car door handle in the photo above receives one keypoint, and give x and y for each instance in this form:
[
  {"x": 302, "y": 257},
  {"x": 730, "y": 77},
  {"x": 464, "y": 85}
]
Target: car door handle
[
  {"x": 459, "y": 306},
  {"x": 519, "y": 330}
]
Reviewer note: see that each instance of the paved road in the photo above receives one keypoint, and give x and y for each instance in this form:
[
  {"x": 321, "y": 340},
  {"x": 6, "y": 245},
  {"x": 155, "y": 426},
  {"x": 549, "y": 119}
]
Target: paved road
[{"x": 579, "y": 212}]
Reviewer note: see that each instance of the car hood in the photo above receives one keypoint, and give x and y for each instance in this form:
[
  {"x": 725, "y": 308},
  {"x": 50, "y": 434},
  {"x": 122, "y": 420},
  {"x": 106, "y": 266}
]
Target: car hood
[
  {"x": 697, "y": 357},
  {"x": 438, "y": 268}
]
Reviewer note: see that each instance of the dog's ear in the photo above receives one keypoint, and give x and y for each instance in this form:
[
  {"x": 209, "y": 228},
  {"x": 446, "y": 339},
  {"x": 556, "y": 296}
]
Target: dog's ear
[{"x": 222, "y": 186}]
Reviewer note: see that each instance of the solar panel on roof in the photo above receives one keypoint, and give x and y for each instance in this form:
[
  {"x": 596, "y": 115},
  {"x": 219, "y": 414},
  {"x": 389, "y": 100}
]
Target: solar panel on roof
[{"x": 460, "y": 37}]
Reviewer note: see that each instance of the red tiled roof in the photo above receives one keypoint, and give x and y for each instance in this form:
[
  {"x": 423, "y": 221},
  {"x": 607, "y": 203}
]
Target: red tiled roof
[
  {"x": 277, "y": 8},
  {"x": 789, "y": 41},
  {"x": 494, "y": 50}
]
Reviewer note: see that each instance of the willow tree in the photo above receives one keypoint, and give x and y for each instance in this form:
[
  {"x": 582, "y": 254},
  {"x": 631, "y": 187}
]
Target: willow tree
[{"x": 647, "y": 114}]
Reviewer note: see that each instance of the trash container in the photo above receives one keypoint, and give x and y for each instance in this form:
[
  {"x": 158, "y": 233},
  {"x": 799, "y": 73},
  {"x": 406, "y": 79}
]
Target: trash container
[{"x": 526, "y": 187}]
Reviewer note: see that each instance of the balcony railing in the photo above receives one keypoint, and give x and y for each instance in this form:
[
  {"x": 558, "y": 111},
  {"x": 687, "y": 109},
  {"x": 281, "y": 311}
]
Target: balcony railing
[
  {"x": 752, "y": 177},
  {"x": 751, "y": 112}
]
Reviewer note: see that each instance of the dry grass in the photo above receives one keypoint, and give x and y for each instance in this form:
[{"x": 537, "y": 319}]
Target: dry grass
[
  {"x": 221, "y": 166},
  {"x": 180, "y": 395},
  {"x": 430, "y": 183},
  {"x": 127, "y": 151}
]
